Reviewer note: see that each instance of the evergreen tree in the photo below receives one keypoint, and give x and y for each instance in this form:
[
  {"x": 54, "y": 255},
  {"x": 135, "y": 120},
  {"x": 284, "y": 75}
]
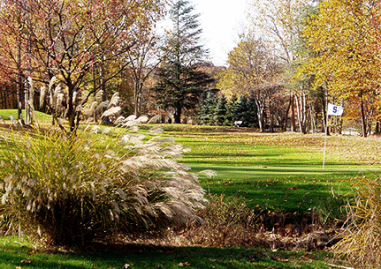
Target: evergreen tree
[
  {"x": 220, "y": 111},
  {"x": 245, "y": 110},
  {"x": 207, "y": 108},
  {"x": 253, "y": 115},
  {"x": 180, "y": 82},
  {"x": 241, "y": 112},
  {"x": 231, "y": 108}
]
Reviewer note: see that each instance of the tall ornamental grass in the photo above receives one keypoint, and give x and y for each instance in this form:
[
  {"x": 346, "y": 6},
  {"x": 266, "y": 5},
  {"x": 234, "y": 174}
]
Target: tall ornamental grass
[
  {"x": 72, "y": 190},
  {"x": 362, "y": 241}
]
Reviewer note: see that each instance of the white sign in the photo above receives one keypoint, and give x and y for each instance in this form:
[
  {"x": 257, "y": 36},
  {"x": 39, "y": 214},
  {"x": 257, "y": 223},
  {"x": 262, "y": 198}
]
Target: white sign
[{"x": 335, "y": 110}]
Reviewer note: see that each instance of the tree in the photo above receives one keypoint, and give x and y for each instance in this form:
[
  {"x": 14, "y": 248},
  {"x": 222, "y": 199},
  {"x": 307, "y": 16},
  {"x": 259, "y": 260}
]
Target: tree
[
  {"x": 344, "y": 40},
  {"x": 242, "y": 111},
  {"x": 180, "y": 81},
  {"x": 220, "y": 111},
  {"x": 231, "y": 106},
  {"x": 206, "y": 107},
  {"x": 144, "y": 58},
  {"x": 280, "y": 21},
  {"x": 70, "y": 39},
  {"x": 277, "y": 19},
  {"x": 14, "y": 45},
  {"x": 309, "y": 100},
  {"x": 253, "y": 71}
]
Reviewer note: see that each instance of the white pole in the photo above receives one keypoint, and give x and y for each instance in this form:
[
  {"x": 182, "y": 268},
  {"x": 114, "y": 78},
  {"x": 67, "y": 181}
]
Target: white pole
[{"x": 325, "y": 142}]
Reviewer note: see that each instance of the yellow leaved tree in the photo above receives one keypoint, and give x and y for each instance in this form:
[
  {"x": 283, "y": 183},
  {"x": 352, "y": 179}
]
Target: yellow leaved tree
[{"x": 344, "y": 36}]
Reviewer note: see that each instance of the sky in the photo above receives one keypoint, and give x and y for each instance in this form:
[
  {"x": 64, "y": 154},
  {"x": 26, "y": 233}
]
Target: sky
[{"x": 221, "y": 21}]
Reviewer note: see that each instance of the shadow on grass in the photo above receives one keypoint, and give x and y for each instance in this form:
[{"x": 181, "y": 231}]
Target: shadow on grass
[
  {"x": 136, "y": 256},
  {"x": 24, "y": 257},
  {"x": 280, "y": 159}
]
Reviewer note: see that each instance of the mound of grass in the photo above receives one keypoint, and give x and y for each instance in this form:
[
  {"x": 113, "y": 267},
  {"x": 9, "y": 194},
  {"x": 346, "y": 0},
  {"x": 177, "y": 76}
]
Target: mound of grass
[{"x": 6, "y": 114}]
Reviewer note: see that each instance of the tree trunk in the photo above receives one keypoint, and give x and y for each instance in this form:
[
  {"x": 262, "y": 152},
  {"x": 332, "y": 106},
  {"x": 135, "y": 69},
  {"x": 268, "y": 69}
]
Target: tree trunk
[
  {"x": 301, "y": 111},
  {"x": 102, "y": 80},
  {"x": 260, "y": 110},
  {"x": 363, "y": 119},
  {"x": 177, "y": 114},
  {"x": 285, "y": 121},
  {"x": 28, "y": 119},
  {"x": 272, "y": 115},
  {"x": 293, "y": 124},
  {"x": 312, "y": 118},
  {"x": 138, "y": 90},
  {"x": 19, "y": 85},
  {"x": 19, "y": 101},
  {"x": 71, "y": 109}
]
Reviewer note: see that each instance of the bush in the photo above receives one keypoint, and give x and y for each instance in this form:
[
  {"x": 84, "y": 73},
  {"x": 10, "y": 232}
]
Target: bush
[
  {"x": 362, "y": 241},
  {"x": 73, "y": 190},
  {"x": 227, "y": 224}
]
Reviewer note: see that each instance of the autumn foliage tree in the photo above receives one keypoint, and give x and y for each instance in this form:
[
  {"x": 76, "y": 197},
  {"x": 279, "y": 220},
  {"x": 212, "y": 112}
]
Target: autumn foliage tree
[
  {"x": 143, "y": 59},
  {"x": 14, "y": 44},
  {"x": 344, "y": 36},
  {"x": 282, "y": 22},
  {"x": 69, "y": 39},
  {"x": 253, "y": 71}
]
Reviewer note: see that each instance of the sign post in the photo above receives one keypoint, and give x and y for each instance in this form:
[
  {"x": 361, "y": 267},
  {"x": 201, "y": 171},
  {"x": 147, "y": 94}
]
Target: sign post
[{"x": 334, "y": 111}]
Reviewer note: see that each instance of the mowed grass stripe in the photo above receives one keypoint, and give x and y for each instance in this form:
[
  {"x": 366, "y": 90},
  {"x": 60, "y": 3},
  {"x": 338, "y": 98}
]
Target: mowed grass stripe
[{"x": 279, "y": 171}]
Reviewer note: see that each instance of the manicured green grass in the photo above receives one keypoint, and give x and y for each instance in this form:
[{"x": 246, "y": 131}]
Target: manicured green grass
[
  {"x": 6, "y": 113},
  {"x": 19, "y": 255},
  {"x": 282, "y": 172}
]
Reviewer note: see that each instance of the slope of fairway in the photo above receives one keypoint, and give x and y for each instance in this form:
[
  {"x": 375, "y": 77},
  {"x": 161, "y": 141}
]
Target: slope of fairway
[{"x": 279, "y": 171}]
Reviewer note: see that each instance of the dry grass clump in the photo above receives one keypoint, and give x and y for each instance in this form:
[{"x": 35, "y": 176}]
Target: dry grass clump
[
  {"x": 73, "y": 190},
  {"x": 362, "y": 242},
  {"x": 226, "y": 224}
]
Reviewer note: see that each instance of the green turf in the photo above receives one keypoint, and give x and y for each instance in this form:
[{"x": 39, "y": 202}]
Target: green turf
[
  {"x": 6, "y": 114},
  {"x": 278, "y": 171},
  {"x": 22, "y": 255}
]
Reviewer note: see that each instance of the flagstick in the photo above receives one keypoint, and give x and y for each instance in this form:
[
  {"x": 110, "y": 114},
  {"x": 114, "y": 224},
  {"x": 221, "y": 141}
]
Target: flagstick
[
  {"x": 336, "y": 111},
  {"x": 325, "y": 143}
]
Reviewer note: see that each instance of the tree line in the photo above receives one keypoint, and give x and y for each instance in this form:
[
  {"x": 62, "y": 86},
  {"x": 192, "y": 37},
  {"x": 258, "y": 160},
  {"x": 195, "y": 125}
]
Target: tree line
[{"x": 68, "y": 58}]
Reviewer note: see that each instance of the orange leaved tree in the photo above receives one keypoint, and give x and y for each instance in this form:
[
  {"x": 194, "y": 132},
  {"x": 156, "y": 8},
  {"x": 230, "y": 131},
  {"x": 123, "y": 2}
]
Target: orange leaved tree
[{"x": 67, "y": 39}]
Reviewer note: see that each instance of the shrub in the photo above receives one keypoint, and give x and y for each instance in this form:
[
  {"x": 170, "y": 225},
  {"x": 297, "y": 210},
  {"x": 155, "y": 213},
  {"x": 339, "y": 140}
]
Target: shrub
[
  {"x": 227, "y": 224},
  {"x": 362, "y": 241},
  {"x": 77, "y": 189}
]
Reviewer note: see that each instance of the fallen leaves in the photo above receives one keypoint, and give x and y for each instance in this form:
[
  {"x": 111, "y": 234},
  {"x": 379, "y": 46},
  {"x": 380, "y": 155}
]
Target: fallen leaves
[{"x": 181, "y": 264}]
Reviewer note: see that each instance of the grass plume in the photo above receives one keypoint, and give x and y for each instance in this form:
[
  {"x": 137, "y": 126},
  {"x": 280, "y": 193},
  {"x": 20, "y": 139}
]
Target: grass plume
[{"x": 78, "y": 189}]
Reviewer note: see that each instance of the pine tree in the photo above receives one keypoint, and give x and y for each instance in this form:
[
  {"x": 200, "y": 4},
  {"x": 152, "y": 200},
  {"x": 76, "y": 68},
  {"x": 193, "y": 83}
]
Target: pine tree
[
  {"x": 231, "y": 108},
  {"x": 253, "y": 115},
  {"x": 180, "y": 82},
  {"x": 207, "y": 108},
  {"x": 241, "y": 113},
  {"x": 220, "y": 111},
  {"x": 245, "y": 110}
]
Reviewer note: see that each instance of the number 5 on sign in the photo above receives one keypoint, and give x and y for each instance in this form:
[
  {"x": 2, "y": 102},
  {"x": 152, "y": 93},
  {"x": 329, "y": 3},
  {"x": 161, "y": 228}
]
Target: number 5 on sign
[{"x": 335, "y": 110}]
